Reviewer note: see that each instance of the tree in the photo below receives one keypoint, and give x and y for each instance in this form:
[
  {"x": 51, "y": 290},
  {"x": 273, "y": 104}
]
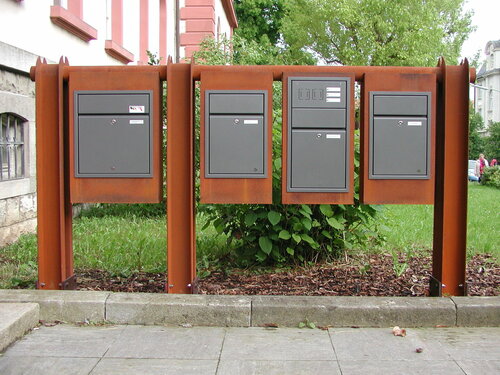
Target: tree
[
  {"x": 260, "y": 20},
  {"x": 492, "y": 142},
  {"x": 378, "y": 32},
  {"x": 476, "y": 142}
]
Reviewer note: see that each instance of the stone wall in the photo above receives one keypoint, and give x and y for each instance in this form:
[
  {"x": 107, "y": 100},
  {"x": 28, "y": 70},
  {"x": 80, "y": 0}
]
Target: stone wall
[
  {"x": 17, "y": 216},
  {"x": 17, "y": 95}
]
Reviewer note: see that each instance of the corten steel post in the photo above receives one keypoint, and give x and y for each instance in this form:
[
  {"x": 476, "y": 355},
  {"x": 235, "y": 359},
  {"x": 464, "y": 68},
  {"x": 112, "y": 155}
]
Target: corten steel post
[
  {"x": 181, "y": 242},
  {"x": 450, "y": 209},
  {"x": 54, "y": 218}
]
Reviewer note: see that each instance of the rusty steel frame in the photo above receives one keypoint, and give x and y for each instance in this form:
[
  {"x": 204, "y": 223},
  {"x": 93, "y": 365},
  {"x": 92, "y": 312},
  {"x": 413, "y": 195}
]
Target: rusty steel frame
[
  {"x": 450, "y": 207},
  {"x": 181, "y": 242},
  {"x": 54, "y": 218}
]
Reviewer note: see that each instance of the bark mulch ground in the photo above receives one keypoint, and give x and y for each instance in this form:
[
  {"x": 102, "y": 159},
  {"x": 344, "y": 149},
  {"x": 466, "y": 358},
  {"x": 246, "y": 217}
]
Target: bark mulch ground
[{"x": 374, "y": 275}]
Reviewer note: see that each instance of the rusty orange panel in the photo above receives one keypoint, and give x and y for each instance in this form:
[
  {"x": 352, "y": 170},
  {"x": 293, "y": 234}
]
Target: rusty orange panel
[
  {"x": 316, "y": 197},
  {"x": 400, "y": 191},
  {"x": 117, "y": 190},
  {"x": 236, "y": 190}
]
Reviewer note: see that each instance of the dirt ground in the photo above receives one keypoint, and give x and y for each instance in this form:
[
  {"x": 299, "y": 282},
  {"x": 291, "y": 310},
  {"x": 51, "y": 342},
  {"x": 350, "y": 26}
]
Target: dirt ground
[{"x": 374, "y": 275}]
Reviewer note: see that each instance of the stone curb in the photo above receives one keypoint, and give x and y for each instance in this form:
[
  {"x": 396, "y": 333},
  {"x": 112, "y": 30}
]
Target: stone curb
[
  {"x": 16, "y": 320},
  {"x": 245, "y": 311}
]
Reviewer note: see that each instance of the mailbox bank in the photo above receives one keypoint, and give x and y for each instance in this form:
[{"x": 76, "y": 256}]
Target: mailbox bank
[{"x": 99, "y": 137}]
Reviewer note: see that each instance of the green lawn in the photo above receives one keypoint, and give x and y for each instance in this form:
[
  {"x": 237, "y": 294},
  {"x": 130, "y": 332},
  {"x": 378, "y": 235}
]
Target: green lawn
[
  {"x": 124, "y": 243},
  {"x": 409, "y": 227}
]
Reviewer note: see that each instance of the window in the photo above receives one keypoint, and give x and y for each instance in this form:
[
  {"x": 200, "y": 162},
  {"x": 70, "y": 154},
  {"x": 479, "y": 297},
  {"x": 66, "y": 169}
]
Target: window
[{"x": 12, "y": 149}]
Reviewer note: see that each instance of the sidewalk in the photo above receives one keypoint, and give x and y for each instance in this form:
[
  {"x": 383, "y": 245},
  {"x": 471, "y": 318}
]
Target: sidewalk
[{"x": 67, "y": 349}]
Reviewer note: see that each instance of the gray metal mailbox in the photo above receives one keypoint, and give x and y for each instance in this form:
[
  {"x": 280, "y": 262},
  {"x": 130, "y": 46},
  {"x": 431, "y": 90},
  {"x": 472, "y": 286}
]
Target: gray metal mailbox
[
  {"x": 113, "y": 134},
  {"x": 318, "y": 128},
  {"x": 400, "y": 135},
  {"x": 236, "y": 129}
]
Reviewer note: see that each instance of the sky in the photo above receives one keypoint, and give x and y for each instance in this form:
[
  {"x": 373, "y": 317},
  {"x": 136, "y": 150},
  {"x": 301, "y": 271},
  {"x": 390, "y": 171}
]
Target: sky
[{"x": 487, "y": 19}]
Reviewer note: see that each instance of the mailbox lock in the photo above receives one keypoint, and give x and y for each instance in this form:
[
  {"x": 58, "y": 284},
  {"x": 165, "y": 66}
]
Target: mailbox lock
[
  {"x": 113, "y": 121},
  {"x": 236, "y": 120},
  {"x": 400, "y": 123},
  {"x": 318, "y": 135}
]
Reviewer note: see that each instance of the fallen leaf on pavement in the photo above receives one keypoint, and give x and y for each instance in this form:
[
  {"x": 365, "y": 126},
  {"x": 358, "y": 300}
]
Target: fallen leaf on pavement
[{"x": 396, "y": 331}]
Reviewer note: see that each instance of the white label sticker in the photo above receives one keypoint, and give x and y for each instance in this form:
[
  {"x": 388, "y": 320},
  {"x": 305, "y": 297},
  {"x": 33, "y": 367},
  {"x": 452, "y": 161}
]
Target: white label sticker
[
  {"x": 333, "y": 100},
  {"x": 250, "y": 122},
  {"x": 333, "y": 89},
  {"x": 333, "y": 94},
  {"x": 334, "y": 136},
  {"x": 135, "y": 109},
  {"x": 136, "y": 122},
  {"x": 414, "y": 123}
]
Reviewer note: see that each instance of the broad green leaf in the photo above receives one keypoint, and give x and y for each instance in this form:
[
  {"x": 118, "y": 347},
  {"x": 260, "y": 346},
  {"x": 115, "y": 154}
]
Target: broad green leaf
[
  {"x": 302, "y": 325},
  {"x": 307, "y": 238},
  {"x": 290, "y": 251},
  {"x": 306, "y": 208},
  {"x": 265, "y": 244},
  {"x": 296, "y": 238},
  {"x": 284, "y": 234},
  {"x": 274, "y": 217},
  {"x": 307, "y": 223},
  {"x": 250, "y": 219},
  {"x": 326, "y": 210},
  {"x": 334, "y": 223},
  {"x": 326, "y": 234},
  {"x": 311, "y": 325}
]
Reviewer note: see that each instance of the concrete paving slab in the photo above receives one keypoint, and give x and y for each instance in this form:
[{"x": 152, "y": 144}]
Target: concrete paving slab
[
  {"x": 66, "y": 341},
  {"x": 376, "y": 367},
  {"x": 484, "y": 367},
  {"x": 133, "y": 366},
  {"x": 281, "y": 344},
  {"x": 477, "y": 311},
  {"x": 380, "y": 344},
  {"x": 466, "y": 343},
  {"x": 16, "y": 319},
  {"x": 288, "y": 311},
  {"x": 200, "y": 310},
  {"x": 168, "y": 342},
  {"x": 46, "y": 365},
  {"x": 234, "y": 367},
  {"x": 65, "y": 305}
]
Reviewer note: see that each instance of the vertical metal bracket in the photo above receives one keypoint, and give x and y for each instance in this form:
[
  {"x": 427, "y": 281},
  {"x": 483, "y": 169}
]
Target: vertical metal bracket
[{"x": 435, "y": 287}]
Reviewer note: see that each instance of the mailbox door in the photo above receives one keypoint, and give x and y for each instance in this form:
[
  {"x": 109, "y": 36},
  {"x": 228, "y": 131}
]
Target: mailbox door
[
  {"x": 113, "y": 146},
  {"x": 400, "y": 147},
  {"x": 236, "y": 145},
  {"x": 318, "y": 160}
]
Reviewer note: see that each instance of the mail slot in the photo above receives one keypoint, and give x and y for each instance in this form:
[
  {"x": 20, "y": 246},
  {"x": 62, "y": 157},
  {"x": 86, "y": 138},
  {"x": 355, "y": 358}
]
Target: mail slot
[
  {"x": 113, "y": 134},
  {"x": 235, "y": 129},
  {"x": 400, "y": 136}
]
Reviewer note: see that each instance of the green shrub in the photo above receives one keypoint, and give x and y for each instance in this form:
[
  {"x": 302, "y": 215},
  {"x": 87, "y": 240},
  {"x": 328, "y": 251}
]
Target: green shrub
[
  {"x": 491, "y": 177},
  {"x": 125, "y": 210}
]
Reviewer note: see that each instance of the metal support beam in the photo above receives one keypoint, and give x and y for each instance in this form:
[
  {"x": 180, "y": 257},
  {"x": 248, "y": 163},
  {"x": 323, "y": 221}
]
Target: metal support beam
[
  {"x": 450, "y": 208},
  {"x": 181, "y": 243},
  {"x": 54, "y": 218}
]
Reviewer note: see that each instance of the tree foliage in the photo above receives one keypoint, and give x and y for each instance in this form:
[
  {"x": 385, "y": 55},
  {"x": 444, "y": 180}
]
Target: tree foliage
[
  {"x": 476, "y": 142},
  {"x": 492, "y": 142},
  {"x": 260, "y": 20},
  {"x": 378, "y": 32}
]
